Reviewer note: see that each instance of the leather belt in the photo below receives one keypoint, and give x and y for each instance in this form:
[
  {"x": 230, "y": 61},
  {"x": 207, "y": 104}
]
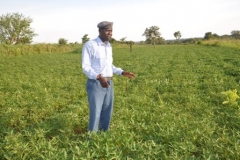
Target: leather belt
[{"x": 107, "y": 78}]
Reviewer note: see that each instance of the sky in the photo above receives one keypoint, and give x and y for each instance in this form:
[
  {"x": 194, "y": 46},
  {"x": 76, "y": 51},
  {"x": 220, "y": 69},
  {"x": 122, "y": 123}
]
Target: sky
[{"x": 72, "y": 19}]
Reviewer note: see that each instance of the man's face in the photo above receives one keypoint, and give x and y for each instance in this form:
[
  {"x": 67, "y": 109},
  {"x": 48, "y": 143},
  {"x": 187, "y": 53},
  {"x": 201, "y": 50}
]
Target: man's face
[{"x": 105, "y": 34}]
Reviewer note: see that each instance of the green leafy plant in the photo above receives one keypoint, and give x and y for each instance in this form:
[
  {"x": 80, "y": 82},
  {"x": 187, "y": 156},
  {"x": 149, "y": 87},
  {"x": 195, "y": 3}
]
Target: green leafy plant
[
  {"x": 170, "y": 111},
  {"x": 232, "y": 97}
]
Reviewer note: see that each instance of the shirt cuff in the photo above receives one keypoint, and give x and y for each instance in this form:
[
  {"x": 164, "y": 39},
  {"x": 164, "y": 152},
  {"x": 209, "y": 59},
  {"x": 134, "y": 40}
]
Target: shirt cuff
[{"x": 120, "y": 72}]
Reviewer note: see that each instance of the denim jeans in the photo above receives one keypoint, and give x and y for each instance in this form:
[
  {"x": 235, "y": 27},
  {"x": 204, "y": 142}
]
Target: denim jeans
[{"x": 100, "y": 105}]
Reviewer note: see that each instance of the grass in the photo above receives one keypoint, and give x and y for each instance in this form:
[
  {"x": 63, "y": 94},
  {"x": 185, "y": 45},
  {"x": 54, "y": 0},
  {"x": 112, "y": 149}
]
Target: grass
[
  {"x": 41, "y": 48},
  {"x": 229, "y": 43},
  {"x": 172, "y": 110}
]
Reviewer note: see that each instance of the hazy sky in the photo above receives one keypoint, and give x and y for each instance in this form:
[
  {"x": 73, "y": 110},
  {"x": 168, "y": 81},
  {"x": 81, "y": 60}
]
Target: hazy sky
[{"x": 72, "y": 19}]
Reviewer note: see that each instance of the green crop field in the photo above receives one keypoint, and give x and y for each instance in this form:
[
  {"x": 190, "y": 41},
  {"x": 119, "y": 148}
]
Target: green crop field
[{"x": 173, "y": 109}]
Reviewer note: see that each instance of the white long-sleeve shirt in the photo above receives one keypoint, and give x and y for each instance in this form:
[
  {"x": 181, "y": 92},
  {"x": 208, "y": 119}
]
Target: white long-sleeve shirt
[{"x": 97, "y": 59}]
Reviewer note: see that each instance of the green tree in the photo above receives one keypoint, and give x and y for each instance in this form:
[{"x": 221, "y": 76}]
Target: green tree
[
  {"x": 85, "y": 38},
  {"x": 62, "y": 41},
  {"x": 235, "y": 34},
  {"x": 209, "y": 35},
  {"x": 160, "y": 40},
  {"x": 177, "y": 35},
  {"x": 215, "y": 35},
  {"x": 15, "y": 28},
  {"x": 123, "y": 40},
  {"x": 152, "y": 34}
]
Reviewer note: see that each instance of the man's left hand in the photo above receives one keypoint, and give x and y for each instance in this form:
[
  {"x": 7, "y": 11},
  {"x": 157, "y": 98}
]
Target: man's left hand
[{"x": 130, "y": 75}]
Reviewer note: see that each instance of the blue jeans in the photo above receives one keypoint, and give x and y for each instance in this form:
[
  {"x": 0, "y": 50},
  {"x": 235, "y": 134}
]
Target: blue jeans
[{"x": 100, "y": 105}]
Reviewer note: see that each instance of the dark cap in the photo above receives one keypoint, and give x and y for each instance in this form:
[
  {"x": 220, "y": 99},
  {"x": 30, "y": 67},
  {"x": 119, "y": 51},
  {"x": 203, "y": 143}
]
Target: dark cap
[{"x": 105, "y": 25}]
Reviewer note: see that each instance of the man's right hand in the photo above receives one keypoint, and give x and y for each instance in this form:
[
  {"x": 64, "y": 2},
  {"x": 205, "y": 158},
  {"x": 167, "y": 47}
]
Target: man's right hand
[{"x": 102, "y": 81}]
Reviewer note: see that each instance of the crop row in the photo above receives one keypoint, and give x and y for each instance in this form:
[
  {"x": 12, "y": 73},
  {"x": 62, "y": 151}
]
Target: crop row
[{"x": 173, "y": 109}]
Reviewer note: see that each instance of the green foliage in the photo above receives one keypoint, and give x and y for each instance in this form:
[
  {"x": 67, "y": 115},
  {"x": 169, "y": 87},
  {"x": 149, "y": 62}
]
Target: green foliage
[
  {"x": 231, "y": 96},
  {"x": 15, "y": 29},
  {"x": 230, "y": 43},
  {"x": 172, "y": 110},
  {"x": 85, "y": 38},
  {"x": 130, "y": 42},
  {"x": 152, "y": 35},
  {"x": 209, "y": 36},
  {"x": 62, "y": 41},
  {"x": 123, "y": 40},
  {"x": 15, "y": 50},
  {"x": 235, "y": 34},
  {"x": 177, "y": 35}
]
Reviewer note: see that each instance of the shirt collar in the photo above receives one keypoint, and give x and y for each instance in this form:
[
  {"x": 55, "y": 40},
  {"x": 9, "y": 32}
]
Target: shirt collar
[{"x": 99, "y": 41}]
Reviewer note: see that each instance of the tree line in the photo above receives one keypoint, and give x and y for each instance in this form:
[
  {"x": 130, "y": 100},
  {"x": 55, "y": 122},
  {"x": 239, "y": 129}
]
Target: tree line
[{"x": 15, "y": 29}]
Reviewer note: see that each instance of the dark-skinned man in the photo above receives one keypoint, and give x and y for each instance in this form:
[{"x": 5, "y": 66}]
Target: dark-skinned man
[{"x": 97, "y": 65}]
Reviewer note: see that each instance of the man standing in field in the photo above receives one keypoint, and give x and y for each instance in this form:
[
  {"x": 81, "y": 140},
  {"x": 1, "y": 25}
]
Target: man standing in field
[{"x": 97, "y": 65}]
